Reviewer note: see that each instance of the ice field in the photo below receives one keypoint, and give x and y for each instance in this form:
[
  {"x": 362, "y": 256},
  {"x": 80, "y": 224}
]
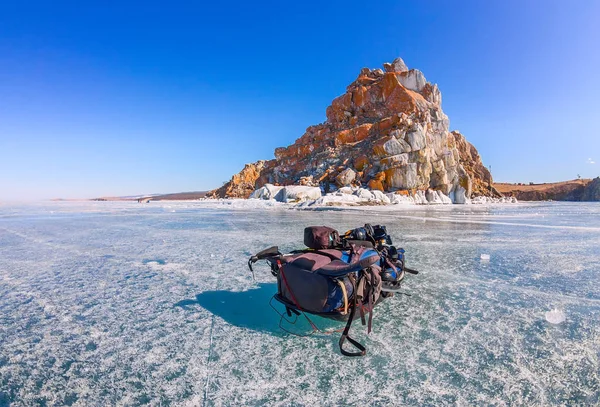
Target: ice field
[{"x": 114, "y": 303}]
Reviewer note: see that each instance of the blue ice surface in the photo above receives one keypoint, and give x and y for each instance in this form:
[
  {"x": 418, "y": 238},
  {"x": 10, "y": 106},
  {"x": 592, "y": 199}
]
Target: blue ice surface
[{"x": 105, "y": 303}]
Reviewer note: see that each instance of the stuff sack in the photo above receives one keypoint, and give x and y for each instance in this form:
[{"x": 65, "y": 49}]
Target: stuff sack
[
  {"x": 313, "y": 292},
  {"x": 321, "y": 237},
  {"x": 315, "y": 280}
]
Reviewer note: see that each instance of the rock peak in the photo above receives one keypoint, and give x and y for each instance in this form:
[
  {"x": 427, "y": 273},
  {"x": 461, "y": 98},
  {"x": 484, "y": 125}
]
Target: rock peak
[
  {"x": 387, "y": 132},
  {"x": 397, "y": 65}
]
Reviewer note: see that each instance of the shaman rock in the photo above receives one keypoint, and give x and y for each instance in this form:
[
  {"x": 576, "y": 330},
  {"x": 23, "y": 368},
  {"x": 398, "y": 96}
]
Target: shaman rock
[{"x": 387, "y": 132}]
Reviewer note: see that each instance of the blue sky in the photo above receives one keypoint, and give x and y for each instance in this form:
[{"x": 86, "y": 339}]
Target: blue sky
[{"x": 123, "y": 98}]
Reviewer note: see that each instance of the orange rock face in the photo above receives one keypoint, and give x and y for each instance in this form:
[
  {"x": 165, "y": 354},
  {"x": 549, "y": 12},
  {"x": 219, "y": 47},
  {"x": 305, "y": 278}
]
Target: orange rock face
[
  {"x": 243, "y": 183},
  {"x": 471, "y": 162},
  {"x": 361, "y": 162},
  {"x": 389, "y": 129},
  {"x": 377, "y": 182},
  {"x": 353, "y": 135}
]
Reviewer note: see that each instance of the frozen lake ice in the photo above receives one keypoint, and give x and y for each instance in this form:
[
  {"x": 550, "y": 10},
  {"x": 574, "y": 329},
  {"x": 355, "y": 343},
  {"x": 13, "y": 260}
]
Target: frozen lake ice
[{"x": 114, "y": 303}]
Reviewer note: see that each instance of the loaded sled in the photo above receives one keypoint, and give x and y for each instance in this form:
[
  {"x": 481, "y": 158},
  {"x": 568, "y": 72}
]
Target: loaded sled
[{"x": 337, "y": 276}]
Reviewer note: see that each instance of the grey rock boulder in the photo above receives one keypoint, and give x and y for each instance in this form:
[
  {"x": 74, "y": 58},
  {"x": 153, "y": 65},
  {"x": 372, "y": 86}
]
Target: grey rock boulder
[
  {"x": 345, "y": 177},
  {"x": 416, "y": 138}
]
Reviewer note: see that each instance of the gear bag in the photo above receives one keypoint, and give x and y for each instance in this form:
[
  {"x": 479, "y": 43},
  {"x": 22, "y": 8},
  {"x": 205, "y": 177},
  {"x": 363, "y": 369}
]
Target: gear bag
[
  {"x": 337, "y": 277},
  {"x": 321, "y": 237},
  {"x": 332, "y": 283}
]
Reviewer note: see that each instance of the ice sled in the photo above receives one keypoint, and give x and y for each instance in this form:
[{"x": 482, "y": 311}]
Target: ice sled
[{"x": 336, "y": 276}]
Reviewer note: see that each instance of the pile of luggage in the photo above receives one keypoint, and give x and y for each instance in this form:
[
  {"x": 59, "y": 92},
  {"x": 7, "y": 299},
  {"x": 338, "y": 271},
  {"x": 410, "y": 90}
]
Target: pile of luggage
[{"x": 338, "y": 275}]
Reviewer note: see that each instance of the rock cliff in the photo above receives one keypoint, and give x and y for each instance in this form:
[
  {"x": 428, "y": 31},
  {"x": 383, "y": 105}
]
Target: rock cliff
[
  {"x": 387, "y": 132},
  {"x": 592, "y": 191},
  {"x": 574, "y": 190}
]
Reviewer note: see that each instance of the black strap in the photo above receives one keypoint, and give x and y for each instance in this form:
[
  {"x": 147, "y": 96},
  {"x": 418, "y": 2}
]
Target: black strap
[
  {"x": 360, "y": 298},
  {"x": 250, "y": 266},
  {"x": 371, "y": 295},
  {"x": 289, "y": 311},
  {"x": 362, "y": 313},
  {"x": 361, "y": 348}
]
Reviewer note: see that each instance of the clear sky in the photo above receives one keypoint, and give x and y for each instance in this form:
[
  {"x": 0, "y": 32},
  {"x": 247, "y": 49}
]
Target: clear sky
[{"x": 125, "y": 98}]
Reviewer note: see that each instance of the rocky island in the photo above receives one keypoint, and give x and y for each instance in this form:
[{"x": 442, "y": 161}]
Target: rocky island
[{"x": 387, "y": 138}]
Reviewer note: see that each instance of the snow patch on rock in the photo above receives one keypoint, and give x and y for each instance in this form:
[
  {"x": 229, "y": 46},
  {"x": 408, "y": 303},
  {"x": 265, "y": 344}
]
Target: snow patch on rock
[
  {"x": 268, "y": 191},
  {"x": 292, "y": 193}
]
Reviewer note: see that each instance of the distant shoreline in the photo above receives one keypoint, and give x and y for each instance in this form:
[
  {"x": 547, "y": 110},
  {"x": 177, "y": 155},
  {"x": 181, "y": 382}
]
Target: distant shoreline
[
  {"x": 572, "y": 190},
  {"x": 559, "y": 191},
  {"x": 178, "y": 196}
]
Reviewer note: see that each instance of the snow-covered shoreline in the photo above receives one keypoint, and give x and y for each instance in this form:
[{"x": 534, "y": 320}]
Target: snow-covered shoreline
[
  {"x": 302, "y": 197},
  {"x": 332, "y": 202}
]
